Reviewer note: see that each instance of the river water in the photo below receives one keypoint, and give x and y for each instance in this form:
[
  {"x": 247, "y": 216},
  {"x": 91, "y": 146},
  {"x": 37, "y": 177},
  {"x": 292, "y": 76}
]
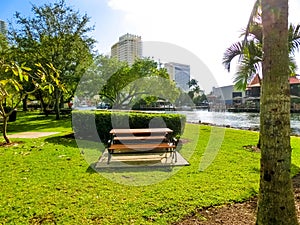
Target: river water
[
  {"x": 237, "y": 120},
  {"x": 240, "y": 120}
]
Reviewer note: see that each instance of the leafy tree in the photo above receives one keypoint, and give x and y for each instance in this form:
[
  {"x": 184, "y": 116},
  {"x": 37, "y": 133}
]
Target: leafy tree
[
  {"x": 58, "y": 35},
  {"x": 193, "y": 83},
  {"x": 276, "y": 198},
  {"x": 96, "y": 75},
  {"x": 143, "y": 78},
  {"x": 194, "y": 88},
  {"x": 249, "y": 50},
  {"x": 145, "y": 101},
  {"x": 200, "y": 99},
  {"x": 195, "y": 93},
  {"x": 12, "y": 91}
]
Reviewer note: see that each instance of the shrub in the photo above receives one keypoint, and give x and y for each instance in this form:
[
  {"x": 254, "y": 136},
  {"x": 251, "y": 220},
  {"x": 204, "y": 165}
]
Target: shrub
[{"x": 93, "y": 125}]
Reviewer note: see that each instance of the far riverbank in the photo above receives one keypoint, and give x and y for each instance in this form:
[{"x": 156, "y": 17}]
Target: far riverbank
[{"x": 242, "y": 120}]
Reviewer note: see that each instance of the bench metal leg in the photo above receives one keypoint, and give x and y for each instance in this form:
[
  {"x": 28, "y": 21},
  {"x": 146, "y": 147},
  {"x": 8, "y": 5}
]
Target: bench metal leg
[
  {"x": 109, "y": 156},
  {"x": 175, "y": 155}
]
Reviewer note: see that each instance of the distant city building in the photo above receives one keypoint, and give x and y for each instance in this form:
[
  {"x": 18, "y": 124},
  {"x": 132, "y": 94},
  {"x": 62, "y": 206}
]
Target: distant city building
[
  {"x": 228, "y": 94},
  {"x": 128, "y": 49},
  {"x": 3, "y": 28},
  {"x": 180, "y": 73}
]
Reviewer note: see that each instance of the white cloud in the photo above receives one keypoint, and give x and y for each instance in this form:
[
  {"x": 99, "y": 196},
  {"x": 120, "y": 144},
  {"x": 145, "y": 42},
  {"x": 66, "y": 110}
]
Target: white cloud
[{"x": 206, "y": 28}]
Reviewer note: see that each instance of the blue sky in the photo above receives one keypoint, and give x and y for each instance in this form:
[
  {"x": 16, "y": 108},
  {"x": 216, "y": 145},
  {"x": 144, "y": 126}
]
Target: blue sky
[
  {"x": 102, "y": 17},
  {"x": 203, "y": 28}
]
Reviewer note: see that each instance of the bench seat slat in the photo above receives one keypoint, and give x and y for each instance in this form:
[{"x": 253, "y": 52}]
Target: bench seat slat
[
  {"x": 141, "y": 131},
  {"x": 138, "y": 138},
  {"x": 140, "y": 146}
]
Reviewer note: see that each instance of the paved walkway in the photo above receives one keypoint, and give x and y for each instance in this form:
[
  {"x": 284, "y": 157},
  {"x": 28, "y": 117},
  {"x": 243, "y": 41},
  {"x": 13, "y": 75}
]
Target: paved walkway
[
  {"x": 31, "y": 134},
  {"x": 140, "y": 160}
]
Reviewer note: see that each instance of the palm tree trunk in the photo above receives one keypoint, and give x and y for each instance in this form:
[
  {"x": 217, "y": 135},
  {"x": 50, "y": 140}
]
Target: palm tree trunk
[{"x": 276, "y": 198}]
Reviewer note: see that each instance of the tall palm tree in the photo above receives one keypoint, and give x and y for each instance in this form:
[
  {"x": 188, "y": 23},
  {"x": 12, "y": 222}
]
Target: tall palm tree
[
  {"x": 276, "y": 204},
  {"x": 249, "y": 50}
]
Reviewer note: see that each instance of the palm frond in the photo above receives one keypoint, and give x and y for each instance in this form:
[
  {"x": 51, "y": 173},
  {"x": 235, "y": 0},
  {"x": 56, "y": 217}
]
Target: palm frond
[
  {"x": 292, "y": 66},
  {"x": 253, "y": 55},
  {"x": 294, "y": 38},
  {"x": 230, "y": 53},
  {"x": 249, "y": 65},
  {"x": 256, "y": 31},
  {"x": 240, "y": 79},
  {"x": 254, "y": 14}
]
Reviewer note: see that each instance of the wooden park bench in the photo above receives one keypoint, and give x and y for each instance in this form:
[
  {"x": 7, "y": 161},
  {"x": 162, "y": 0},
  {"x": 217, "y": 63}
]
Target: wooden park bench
[{"x": 140, "y": 141}]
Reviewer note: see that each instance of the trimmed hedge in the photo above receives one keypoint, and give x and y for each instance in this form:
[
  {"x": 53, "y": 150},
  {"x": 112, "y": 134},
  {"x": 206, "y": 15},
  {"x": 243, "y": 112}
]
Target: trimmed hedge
[{"x": 93, "y": 125}]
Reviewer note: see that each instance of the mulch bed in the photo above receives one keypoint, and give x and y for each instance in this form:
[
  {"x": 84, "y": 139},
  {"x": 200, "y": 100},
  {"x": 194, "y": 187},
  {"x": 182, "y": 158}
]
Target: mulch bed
[
  {"x": 235, "y": 214},
  {"x": 15, "y": 143}
]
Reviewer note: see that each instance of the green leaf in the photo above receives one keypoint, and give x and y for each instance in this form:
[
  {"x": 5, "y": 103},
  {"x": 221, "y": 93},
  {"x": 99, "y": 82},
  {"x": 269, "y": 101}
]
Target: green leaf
[
  {"x": 26, "y": 68},
  {"x": 17, "y": 86},
  {"x": 3, "y": 82},
  {"x": 20, "y": 74},
  {"x": 26, "y": 77},
  {"x": 15, "y": 71},
  {"x": 50, "y": 88},
  {"x": 38, "y": 65}
]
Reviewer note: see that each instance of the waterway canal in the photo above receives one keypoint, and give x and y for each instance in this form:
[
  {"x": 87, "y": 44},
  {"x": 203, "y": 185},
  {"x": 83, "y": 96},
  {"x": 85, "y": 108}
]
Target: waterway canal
[{"x": 238, "y": 120}]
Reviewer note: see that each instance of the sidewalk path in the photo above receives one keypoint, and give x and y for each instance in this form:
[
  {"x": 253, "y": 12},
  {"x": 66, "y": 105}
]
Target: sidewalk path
[{"x": 31, "y": 134}]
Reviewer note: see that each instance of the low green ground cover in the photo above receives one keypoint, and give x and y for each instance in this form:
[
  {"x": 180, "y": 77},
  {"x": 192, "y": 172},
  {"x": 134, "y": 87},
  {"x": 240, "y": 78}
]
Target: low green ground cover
[{"x": 49, "y": 180}]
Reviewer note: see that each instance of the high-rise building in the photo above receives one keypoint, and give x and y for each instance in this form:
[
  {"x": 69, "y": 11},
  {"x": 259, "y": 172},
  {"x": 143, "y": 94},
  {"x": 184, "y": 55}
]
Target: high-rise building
[
  {"x": 3, "y": 28},
  {"x": 180, "y": 73},
  {"x": 128, "y": 48}
]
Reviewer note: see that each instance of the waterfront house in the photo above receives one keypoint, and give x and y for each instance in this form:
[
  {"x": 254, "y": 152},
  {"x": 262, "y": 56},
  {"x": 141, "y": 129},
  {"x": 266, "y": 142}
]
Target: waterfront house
[
  {"x": 253, "y": 92},
  {"x": 249, "y": 100},
  {"x": 253, "y": 89}
]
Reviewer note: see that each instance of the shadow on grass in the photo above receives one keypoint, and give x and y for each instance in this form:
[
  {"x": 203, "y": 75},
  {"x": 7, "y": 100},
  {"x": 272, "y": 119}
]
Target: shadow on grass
[
  {"x": 34, "y": 121},
  {"x": 93, "y": 169},
  {"x": 63, "y": 140},
  {"x": 295, "y": 169}
]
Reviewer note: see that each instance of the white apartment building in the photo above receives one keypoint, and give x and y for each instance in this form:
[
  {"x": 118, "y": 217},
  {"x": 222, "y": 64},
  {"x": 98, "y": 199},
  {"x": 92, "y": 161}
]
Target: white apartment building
[
  {"x": 128, "y": 48},
  {"x": 180, "y": 73}
]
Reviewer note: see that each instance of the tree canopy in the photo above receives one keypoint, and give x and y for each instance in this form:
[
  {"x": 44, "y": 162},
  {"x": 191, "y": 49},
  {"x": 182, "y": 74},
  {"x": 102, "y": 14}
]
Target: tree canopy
[
  {"x": 58, "y": 35},
  {"x": 249, "y": 50},
  {"x": 143, "y": 78},
  {"x": 122, "y": 85}
]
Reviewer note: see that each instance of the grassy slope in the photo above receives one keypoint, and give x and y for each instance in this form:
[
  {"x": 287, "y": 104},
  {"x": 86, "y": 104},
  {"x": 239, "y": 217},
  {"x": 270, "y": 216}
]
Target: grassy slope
[{"x": 48, "y": 180}]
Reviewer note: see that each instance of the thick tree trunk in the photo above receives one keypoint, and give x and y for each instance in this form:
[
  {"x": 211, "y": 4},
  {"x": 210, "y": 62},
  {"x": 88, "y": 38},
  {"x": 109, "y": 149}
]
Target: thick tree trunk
[
  {"x": 61, "y": 102},
  {"x": 276, "y": 198},
  {"x": 24, "y": 103},
  {"x": 57, "y": 101},
  {"x": 43, "y": 105}
]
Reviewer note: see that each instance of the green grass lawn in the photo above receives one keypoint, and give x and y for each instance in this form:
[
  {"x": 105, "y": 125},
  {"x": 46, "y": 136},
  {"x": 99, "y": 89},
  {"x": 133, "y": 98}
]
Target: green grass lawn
[{"x": 49, "y": 181}]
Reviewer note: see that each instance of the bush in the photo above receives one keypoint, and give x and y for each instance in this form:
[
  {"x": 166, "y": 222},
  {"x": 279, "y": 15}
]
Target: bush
[{"x": 93, "y": 125}]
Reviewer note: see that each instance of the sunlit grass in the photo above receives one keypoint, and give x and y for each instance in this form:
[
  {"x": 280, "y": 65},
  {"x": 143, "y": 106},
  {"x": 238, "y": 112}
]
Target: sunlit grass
[{"x": 49, "y": 181}]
